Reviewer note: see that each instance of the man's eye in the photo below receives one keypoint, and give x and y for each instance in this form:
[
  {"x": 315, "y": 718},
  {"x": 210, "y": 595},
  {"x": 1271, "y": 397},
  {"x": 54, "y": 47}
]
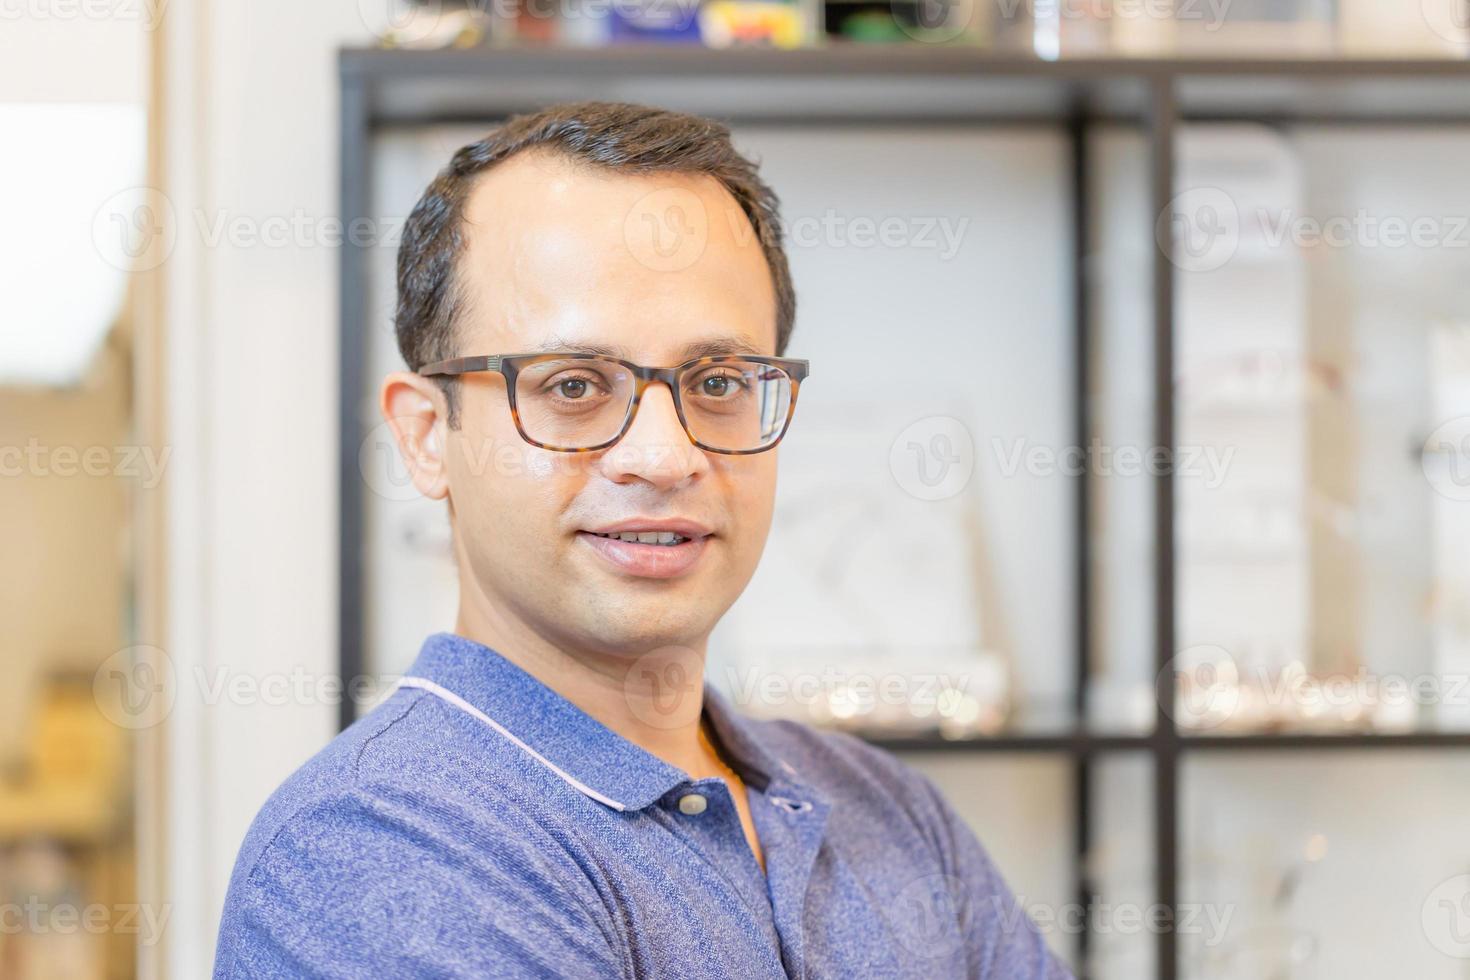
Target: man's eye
[
  {"x": 719, "y": 385},
  {"x": 572, "y": 388}
]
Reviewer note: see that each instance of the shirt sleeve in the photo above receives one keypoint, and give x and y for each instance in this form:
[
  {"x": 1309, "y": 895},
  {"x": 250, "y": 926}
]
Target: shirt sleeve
[
  {"x": 358, "y": 887},
  {"x": 1001, "y": 940}
]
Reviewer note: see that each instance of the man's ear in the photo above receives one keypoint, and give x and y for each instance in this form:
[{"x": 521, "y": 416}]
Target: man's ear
[{"x": 414, "y": 409}]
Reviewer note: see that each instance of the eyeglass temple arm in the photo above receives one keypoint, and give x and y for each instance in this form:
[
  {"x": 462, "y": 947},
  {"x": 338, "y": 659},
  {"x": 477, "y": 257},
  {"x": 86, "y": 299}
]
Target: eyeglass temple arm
[{"x": 461, "y": 365}]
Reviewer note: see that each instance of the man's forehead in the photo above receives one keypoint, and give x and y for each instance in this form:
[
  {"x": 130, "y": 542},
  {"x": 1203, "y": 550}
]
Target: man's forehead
[
  {"x": 549, "y": 252},
  {"x": 536, "y": 182}
]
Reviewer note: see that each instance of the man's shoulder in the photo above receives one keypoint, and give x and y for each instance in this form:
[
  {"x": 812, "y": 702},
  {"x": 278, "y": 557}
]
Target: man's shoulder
[
  {"x": 329, "y": 778},
  {"x": 379, "y": 840},
  {"x": 405, "y": 751}
]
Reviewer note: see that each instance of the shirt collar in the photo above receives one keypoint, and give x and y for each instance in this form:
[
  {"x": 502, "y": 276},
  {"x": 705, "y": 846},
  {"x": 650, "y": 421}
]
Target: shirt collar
[
  {"x": 556, "y": 733},
  {"x": 740, "y": 739}
]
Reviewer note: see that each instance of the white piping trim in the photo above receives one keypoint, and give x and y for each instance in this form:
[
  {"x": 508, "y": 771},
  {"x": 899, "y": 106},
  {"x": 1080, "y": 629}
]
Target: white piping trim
[{"x": 411, "y": 680}]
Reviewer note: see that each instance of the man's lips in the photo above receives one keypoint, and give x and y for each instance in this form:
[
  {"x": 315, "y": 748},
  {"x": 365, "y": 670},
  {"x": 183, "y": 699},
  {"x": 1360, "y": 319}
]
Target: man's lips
[
  {"x": 663, "y": 548},
  {"x": 682, "y": 526}
]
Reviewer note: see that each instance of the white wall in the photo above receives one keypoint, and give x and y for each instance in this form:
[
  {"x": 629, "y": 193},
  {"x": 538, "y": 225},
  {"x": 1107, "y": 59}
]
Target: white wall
[
  {"x": 50, "y": 55},
  {"x": 248, "y": 115}
]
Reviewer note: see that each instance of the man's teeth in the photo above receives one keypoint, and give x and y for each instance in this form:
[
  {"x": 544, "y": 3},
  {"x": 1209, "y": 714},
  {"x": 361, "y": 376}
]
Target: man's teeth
[{"x": 646, "y": 537}]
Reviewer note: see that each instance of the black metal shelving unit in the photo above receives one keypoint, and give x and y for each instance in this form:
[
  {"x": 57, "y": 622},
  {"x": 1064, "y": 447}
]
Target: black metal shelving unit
[{"x": 914, "y": 85}]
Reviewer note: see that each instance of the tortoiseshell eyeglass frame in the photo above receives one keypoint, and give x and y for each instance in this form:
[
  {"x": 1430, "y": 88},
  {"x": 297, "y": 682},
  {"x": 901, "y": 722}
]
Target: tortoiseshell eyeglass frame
[{"x": 511, "y": 365}]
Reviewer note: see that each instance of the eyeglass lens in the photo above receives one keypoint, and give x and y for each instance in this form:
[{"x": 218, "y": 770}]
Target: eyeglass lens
[{"x": 576, "y": 403}]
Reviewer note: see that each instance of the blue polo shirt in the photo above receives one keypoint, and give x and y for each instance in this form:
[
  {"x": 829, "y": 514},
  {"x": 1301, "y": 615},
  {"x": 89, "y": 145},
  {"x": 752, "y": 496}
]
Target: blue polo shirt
[{"x": 478, "y": 824}]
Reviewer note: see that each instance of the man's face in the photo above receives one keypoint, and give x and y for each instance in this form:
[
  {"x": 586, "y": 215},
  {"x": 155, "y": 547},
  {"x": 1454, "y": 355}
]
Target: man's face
[{"x": 558, "y": 256}]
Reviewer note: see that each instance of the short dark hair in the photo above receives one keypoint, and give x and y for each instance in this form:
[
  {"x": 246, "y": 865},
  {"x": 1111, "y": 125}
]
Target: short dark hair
[{"x": 619, "y": 136}]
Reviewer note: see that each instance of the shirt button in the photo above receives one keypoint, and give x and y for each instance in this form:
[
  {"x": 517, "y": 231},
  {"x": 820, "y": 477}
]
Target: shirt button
[{"x": 692, "y": 804}]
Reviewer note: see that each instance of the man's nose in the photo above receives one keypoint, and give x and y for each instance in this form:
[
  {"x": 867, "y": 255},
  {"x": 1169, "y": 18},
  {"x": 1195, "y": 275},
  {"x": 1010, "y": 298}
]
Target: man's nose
[{"x": 655, "y": 448}]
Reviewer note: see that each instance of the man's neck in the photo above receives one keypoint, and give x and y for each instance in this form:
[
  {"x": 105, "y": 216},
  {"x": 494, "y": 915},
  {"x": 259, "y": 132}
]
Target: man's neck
[{"x": 652, "y": 698}]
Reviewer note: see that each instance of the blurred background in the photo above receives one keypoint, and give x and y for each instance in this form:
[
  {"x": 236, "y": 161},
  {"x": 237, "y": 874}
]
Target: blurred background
[{"x": 1160, "y": 567}]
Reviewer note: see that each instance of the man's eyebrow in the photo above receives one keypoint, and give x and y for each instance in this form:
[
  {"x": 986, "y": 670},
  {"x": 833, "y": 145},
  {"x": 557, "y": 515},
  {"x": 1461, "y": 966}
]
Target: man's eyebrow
[
  {"x": 557, "y": 345},
  {"x": 721, "y": 345},
  {"x": 736, "y": 344}
]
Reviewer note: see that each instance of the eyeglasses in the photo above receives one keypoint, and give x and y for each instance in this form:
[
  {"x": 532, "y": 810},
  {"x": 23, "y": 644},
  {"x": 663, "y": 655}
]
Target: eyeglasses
[{"x": 577, "y": 403}]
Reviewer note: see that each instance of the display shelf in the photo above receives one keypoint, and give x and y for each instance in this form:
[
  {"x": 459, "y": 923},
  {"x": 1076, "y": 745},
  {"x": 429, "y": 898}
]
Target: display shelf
[
  {"x": 1075, "y": 743},
  {"x": 1306, "y": 742},
  {"x": 1081, "y": 743},
  {"x": 862, "y": 83}
]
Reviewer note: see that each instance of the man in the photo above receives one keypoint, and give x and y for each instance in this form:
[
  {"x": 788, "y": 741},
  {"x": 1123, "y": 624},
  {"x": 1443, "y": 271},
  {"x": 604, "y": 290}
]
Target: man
[{"x": 595, "y": 305}]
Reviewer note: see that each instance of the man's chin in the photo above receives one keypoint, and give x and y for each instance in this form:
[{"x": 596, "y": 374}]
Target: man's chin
[
  {"x": 635, "y": 631},
  {"x": 623, "y": 622}
]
